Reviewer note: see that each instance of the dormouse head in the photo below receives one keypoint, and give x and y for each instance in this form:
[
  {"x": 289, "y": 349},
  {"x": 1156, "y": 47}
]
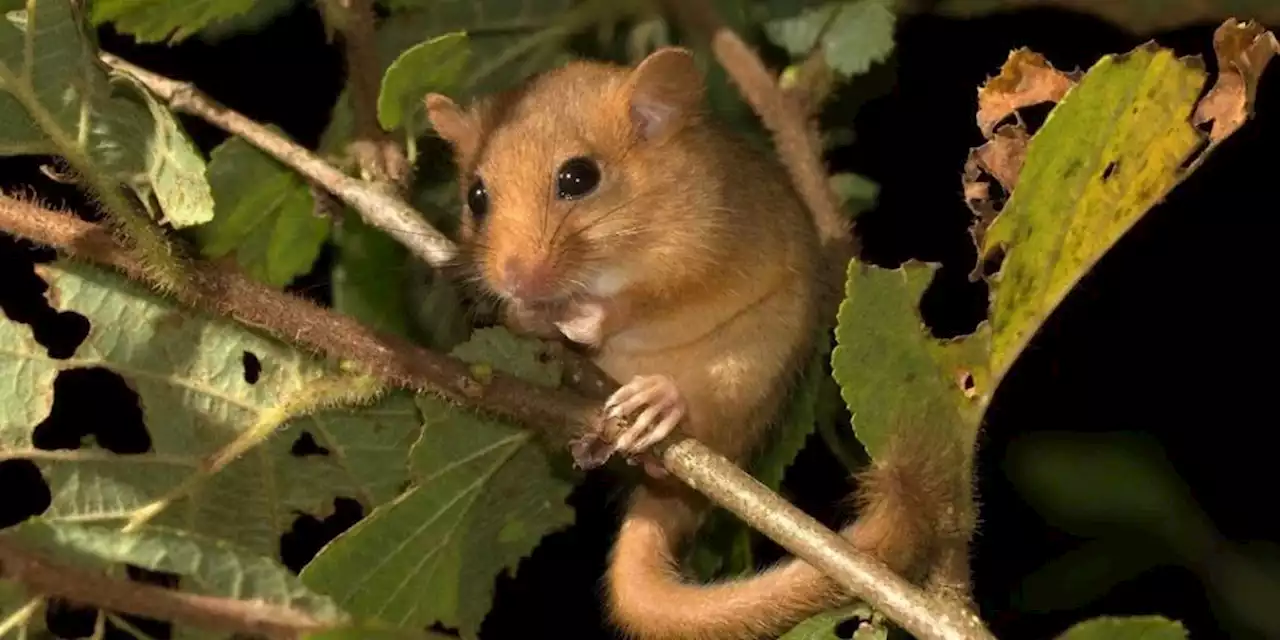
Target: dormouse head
[{"x": 571, "y": 184}]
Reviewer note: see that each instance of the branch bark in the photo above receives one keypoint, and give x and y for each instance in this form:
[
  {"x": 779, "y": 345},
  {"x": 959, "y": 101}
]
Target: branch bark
[
  {"x": 376, "y": 206},
  {"x": 45, "y": 576},
  {"x": 557, "y": 415},
  {"x": 379, "y": 156}
]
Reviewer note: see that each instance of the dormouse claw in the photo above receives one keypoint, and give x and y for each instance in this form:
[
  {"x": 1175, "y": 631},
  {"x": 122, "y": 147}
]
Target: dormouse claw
[{"x": 661, "y": 408}]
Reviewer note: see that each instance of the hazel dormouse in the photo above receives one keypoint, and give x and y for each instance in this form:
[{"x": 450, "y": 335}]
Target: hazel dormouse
[{"x": 602, "y": 203}]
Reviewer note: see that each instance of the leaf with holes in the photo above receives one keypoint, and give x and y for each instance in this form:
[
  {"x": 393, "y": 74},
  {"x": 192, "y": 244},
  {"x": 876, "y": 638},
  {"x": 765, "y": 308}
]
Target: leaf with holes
[
  {"x": 524, "y": 357},
  {"x": 56, "y": 99},
  {"x": 1126, "y": 628},
  {"x": 1111, "y": 149},
  {"x": 434, "y": 66},
  {"x": 218, "y": 458},
  {"x": 484, "y": 495},
  {"x": 853, "y": 34},
  {"x": 892, "y": 374},
  {"x": 830, "y": 625},
  {"x": 206, "y": 566},
  {"x": 157, "y": 20},
  {"x": 265, "y": 215}
]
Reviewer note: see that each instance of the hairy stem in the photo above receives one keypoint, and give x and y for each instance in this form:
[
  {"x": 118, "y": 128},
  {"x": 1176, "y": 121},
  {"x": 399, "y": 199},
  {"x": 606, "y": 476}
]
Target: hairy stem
[
  {"x": 146, "y": 238},
  {"x": 379, "y": 156},
  {"x": 48, "y": 577}
]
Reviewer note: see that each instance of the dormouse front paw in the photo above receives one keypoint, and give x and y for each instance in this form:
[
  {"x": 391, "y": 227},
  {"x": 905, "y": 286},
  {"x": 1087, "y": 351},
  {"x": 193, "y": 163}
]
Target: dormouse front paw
[
  {"x": 583, "y": 322},
  {"x": 660, "y": 406}
]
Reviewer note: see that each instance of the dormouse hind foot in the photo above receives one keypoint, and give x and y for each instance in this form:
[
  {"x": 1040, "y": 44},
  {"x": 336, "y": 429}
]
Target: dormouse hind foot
[{"x": 661, "y": 408}]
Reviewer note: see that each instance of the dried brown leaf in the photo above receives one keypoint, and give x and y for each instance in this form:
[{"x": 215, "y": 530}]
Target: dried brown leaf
[
  {"x": 1243, "y": 50},
  {"x": 1026, "y": 79}
]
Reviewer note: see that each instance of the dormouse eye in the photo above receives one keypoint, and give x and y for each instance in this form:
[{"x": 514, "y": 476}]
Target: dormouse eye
[
  {"x": 478, "y": 199},
  {"x": 577, "y": 177}
]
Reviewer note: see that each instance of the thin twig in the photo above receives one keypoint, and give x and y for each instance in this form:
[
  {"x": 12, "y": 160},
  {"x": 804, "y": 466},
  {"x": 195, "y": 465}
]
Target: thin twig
[
  {"x": 377, "y": 207},
  {"x": 794, "y": 138},
  {"x": 44, "y": 576},
  {"x": 557, "y": 415},
  {"x": 379, "y": 155}
]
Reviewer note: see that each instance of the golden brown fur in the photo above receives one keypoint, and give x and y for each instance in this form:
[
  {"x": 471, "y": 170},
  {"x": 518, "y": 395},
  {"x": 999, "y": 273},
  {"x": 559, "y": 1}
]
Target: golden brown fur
[{"x": 718, "y": 260}]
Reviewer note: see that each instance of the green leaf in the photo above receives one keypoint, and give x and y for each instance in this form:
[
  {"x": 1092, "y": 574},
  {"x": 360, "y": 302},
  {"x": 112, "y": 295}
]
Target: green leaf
[
  {"x": 508, "y": 40},
  {"x": 369, "y": 276},
  {"x": 253, "y": 20},
  {"x": 1126, "y": 628},
  {"x": 432, "y": 66},
  {"x": 1109, "y": 151},
  {"x": 484, "y": 497},
  {"x": 156, "y": 20},
  {"x": 207, "y": 566},
  {"x": 265, "y": 215},
  {"x": 824, "y": 625},
  {"x": 856, "y": 193},
  {"x": 853, "y": 35},
  {"x": 175, "y": 170},
  {"x": 891, "y": 373},
  {"x": 520, "y": 356},
  {"x": 368, "y": 450},
  {"x": 485, "y": 494},
  {"x": 440, "y": 314},
  {"x": 1130, "y": 483},
  {"x": 57, "y": 99},
  {"x": 188, "y": 370}
]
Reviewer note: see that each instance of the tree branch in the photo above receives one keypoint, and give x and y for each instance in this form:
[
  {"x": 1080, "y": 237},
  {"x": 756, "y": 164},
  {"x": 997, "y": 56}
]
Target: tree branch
[
  {"x": 376, "y": 206},
  {"x": 222, "y": 289},
  {"x": 557, "y": 415},
  {"x": 44, "y": 576},
  {"x": 379, "y": 156}
]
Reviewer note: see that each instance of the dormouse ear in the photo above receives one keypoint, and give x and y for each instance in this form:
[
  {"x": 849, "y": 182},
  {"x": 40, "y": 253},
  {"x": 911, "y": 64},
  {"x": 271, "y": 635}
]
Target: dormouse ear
[
  {"x": 456, "y": 125},
  {"x": 665, "y": 89}
]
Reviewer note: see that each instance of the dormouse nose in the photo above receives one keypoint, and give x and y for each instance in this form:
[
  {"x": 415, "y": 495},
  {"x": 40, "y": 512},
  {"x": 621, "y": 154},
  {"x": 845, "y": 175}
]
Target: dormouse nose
[{"x": 528, "y": 279}]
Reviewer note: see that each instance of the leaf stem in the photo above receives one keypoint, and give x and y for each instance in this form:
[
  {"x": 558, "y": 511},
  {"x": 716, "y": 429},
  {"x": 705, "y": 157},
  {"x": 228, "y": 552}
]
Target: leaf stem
[{"x": 19, "y": 618}]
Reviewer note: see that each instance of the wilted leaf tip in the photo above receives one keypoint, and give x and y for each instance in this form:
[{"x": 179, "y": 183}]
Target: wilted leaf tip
[
  {"x": 1243, "y": 50},
  {"x": 1026, "y": 79}
]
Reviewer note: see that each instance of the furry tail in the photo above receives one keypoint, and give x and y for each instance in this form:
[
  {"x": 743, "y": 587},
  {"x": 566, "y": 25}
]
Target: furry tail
[{"x": 901, "y": 500}]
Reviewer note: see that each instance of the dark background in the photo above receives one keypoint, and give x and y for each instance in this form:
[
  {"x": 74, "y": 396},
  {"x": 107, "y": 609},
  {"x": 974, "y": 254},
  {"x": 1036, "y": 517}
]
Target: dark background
[{"x": 1169, "y": 338}]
